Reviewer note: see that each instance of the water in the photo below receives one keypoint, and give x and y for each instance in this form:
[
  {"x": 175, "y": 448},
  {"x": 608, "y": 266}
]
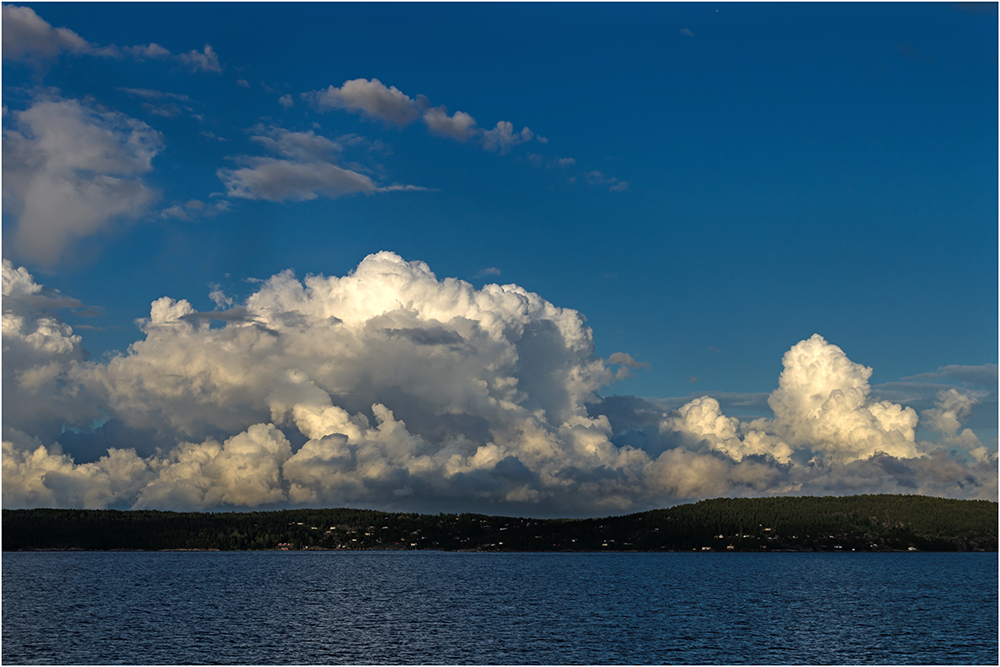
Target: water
[{"x": 423, "y": 607}]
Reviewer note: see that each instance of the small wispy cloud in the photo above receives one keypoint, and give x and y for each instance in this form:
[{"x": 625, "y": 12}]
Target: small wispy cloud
[
  {"x": 503, "y": 137},
  {"x": 405, "y": 188},
  {"x": 29, "y": 37},
  {"x": 205, "y": 60},
  {"x": 598, "y": 178}
]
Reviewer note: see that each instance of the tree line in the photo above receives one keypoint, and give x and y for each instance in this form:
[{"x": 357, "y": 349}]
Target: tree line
[{"x": 852, "y": 523}]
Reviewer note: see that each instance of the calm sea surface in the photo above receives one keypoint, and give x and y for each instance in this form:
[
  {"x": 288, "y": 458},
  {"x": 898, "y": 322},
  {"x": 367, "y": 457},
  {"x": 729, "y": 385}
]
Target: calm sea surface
[{"x": 421, "y": 607}]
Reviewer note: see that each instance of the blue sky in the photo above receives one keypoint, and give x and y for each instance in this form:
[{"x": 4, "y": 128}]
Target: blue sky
[{"x": 708, "y": 184}]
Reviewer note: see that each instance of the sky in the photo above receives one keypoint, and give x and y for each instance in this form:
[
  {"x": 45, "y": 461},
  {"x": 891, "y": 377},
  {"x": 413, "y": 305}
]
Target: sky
[{"x": 535, "y": 259}]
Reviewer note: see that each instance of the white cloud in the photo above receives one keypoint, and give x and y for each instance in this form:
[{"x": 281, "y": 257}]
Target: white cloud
[
  {"x": 701, "y": 420},
  {"x": 304, "y": 146},
  {"x": 503, "y": 137},
  {"x": 286, "y": 101},
  {"x": 951, "y": 409},
  {"x": 205, "y": 60},
  {"x": 626, "y": 364},
  {"x": 459, "y": 126},
  {"x": 39, "y": 354},
  {"x": 287, "y": 180},
  {"x": 406, "y": 391},
  {"x": 305, "y": 171},
  {"x": 373, "y": 99},
  {"x": 822, "y": 408},
  {"x": 220, "y": 298},
  {"x": 70, "y": 170},
  {"x": 26, "y": 36},
  {"x": 823, "y": 401},
  {"x": 176, "y": 212},
  {"x": 46, "y": 477},
  {"x": 151, "y": 51},
  {"x": 245, "y": 471},
  {"x": 193, "y": 209},
  {"x": 370, "y": 98}
]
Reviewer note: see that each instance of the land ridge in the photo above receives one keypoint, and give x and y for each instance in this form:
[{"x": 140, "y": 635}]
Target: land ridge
[{"x": 802, "y": 523}]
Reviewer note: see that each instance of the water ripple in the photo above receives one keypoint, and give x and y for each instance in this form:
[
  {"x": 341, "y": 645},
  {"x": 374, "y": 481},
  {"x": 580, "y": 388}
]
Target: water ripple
[{"x": 446, "y": 608}]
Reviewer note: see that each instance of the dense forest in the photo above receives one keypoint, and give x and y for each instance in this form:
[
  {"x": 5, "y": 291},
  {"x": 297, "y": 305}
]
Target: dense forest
[{"x": 854, "y": 523}]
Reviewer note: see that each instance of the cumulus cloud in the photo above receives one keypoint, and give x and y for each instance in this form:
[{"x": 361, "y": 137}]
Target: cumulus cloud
[
  {"x": 370, "y": 98},
  {"x": 459, "y": 126},
  {"x": 503, "y": 137},
  {"x": 71, "y": 170},
  {"x": 823, "y": 400},
  {"x": 46, "y": 477},
  {"x": 21, "y": 292},
  {"x": 40, "y": 352},
  {"x": 951, "y": 409},
  {"x": 27, "y": 36},
  {"x": 391, "y": 388}
]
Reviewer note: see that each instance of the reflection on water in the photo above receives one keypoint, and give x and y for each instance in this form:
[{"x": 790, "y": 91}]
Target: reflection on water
[{"x": 420, "y": 607}]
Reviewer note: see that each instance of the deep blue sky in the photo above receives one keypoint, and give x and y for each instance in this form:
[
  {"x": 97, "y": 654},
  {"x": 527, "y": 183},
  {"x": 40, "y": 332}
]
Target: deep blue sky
[
  {"x": 779, "y": 221},
  {"x": 791, "y": 169}
]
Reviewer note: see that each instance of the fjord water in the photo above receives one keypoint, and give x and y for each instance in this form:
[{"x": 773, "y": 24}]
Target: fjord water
[{"x": 432, "y": 607}]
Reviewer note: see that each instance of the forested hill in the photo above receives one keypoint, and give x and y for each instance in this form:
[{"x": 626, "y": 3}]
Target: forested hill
[{"x": 859, "y": 523}]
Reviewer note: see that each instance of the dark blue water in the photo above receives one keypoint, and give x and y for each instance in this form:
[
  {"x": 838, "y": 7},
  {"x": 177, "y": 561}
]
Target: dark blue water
[{"x": 420, "y": 607}]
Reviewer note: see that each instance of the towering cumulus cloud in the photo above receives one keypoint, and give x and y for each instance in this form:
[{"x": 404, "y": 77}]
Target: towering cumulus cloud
[{"x": 391, "y": 388}]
